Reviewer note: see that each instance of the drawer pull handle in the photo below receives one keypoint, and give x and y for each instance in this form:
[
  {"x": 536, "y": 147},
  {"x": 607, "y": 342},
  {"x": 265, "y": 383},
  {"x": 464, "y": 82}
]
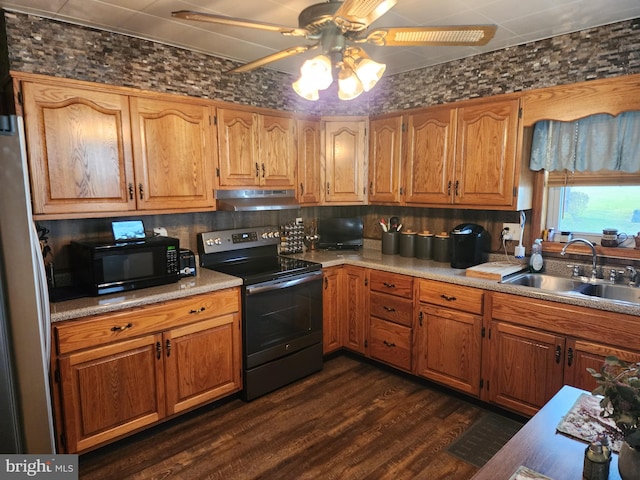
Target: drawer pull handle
[
  {"x": 168, "y": 345},
  {"x": 388, "y": 344},
  {"x": 121, "y": 328},
  {"x": 570, "y": 357},
  {"x": 389, "y": 285},
  {"x": 200, "y": 310},
  {"x": 558, "y": 353},
  {"x": 389, "y": 309},
  {"x": 448, "y": 298},
  {"x": 158, "y": 350}
]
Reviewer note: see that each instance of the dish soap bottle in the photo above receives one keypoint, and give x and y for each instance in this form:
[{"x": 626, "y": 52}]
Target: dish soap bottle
[{"x": 536, "y": 262}]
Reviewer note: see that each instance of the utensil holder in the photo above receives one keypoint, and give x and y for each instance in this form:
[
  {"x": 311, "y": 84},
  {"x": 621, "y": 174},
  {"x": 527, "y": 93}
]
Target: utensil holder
[{"x": 390, "y": 243}]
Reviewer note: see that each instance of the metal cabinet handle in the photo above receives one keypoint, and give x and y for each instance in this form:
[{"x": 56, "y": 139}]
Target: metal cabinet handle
[
  {"x": 201, "y": 309},
  {"x": 389, "y": 309},
  {"x": 264, "y": 170},
  {"x": 448, "y": 298},
  {"x": 141, "y": 191},
  {"x": 326, "y": 283},
  {"x": 558, "y": 353},
  {"x": 457, "y": 190},
  {"x": 328, "y": 184},
  {"x": 158, "y": 350},
  {"x": 389, "y": 344},
  {"x": 301, "y": 188},
  {"x": 168, "y": 345},
  {"x": 420, "y": 317},
  {"x": 449, "y": 188},
  {"x": 257, "y": 170},
  {"x": 131, "y": 191},
  {"x": 120, "y": 328},
  {"x": 389, "y": 285},
  {"x": 570, "y": 357}
]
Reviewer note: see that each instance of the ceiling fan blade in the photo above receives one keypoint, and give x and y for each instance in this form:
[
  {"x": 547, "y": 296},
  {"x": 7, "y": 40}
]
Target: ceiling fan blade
[
  {"x": 430, "y": 36},
  {"x": 239, "y": 22},
  {"x": 355, "y": 15},
  {"x": 288, "y": 52}
]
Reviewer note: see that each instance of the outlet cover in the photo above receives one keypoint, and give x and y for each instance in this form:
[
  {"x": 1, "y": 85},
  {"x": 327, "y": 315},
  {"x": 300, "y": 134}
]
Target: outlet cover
[{"x": 514, "y": 230}]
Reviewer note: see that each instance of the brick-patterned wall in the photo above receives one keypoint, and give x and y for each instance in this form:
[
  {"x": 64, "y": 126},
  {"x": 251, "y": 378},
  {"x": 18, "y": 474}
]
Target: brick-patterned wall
[{"x": 50, "y": 47}]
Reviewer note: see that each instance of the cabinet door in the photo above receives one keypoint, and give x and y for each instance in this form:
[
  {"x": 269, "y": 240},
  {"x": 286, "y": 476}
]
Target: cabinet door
[
  {"x": 278, "y": 155},
  {"x": 582, "y": 355},
  {"x": 487, "y": 139},
  {"x": 203, "y": 362},
  {"x": 430, "y": 152},
  {"x": 173, "y": 154},
  {"x": 385, "y": 154},
  {"x": 112, "y": 390},
  {"x": 356, "y": 309},
  {"x": 309, "y": 183},
  {"x": 332, "y": 300},
  {"x": 237, "y": 148},
  {"x": 79, "y": 145},
  {"x": 526, "y": 367},
  {"x": 448, "y": 348},
  {"x": 345, "y": 162}
]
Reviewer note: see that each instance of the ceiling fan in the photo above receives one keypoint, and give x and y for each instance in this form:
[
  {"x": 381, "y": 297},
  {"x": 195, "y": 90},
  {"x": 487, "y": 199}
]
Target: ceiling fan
[{"x": 338, "y": 28}]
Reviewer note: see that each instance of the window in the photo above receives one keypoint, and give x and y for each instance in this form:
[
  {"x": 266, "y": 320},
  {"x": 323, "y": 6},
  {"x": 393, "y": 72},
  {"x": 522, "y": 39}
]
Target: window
[{"x": 586, "y": 203}]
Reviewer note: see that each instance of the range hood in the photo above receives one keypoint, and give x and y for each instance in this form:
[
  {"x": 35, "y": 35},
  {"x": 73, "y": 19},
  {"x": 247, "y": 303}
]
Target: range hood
[{"x": 255, "y": 200}]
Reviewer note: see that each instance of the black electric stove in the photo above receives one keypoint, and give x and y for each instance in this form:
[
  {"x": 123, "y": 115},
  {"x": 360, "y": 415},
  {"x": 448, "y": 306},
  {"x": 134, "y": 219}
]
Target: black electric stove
[{"x": 281, "y": 306}]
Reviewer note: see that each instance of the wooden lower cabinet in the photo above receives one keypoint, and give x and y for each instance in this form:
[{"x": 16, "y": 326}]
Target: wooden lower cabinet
[
  {"x": 390, "y": 343},
  {"x": 449, "y": 335},
  {"x": 355, "y": 306},
  {"x": 136, "y": 377},
  {"x": 536, "y": 347},
  {"x": 332, "y": 299}
]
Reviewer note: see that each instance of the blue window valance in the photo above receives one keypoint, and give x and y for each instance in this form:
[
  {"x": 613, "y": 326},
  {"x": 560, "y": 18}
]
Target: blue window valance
[{"x": 591, "y": 144}]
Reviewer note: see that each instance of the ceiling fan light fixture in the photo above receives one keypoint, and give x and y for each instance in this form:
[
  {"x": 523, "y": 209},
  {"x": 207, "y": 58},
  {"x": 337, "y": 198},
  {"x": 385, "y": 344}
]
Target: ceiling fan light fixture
[
  {"x": 369, "y": 72},
  {"x": 317, "y": 71},
  {"x": 305, "y": 89},
  {"x": 349, "y": 85}
]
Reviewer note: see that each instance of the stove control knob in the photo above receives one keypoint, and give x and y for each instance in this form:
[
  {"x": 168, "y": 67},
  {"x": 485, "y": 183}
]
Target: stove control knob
[
  {"x": 264, "y": 235},
  {"x": 218, "y": 241},
  {"x": 276, "y": 234},
  {"x": 209, "y": 242}
]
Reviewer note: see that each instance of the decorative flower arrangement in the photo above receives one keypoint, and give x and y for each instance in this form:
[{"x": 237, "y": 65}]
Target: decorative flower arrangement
[{"x": 619, "y": 384}]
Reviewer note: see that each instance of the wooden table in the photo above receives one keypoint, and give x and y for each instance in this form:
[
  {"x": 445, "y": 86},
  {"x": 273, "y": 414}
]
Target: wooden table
[{"x": 539, "y": 447}]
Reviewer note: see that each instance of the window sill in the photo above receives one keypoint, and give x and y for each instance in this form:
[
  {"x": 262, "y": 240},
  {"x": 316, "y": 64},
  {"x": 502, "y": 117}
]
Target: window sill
[{"x": 554, "y": 249}]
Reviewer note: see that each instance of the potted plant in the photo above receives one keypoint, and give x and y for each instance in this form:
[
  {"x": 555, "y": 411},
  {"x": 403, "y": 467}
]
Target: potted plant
[{"x": 619, "y": 384}]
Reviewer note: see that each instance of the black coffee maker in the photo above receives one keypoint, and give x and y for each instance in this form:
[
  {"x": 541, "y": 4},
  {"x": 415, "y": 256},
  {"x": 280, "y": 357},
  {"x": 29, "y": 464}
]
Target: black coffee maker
[{"x": 470, "y": 245}]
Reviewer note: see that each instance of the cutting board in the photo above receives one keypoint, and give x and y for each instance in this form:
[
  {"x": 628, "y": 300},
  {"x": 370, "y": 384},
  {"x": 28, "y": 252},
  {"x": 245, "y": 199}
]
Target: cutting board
[{"x": 494, "y": 270}]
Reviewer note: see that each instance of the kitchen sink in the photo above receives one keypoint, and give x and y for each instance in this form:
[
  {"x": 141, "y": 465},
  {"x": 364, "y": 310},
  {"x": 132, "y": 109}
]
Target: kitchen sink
[
  {"x": 545, "y": 282},
  {"x": 576, "y": 286},
  {"x": 621, "y": 293}
]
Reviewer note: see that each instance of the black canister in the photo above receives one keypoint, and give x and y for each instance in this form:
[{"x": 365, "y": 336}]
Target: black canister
[
  {"x": 441, "y": 248},
  {"x": 390, "y": 243},
  {"x": 424, "y": 245},
  {"x": 408, "y": 244}
]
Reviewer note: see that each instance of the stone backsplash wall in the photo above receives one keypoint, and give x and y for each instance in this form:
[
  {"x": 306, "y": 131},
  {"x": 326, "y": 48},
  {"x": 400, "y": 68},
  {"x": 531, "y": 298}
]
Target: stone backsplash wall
[{"x": 45, "y": 46}]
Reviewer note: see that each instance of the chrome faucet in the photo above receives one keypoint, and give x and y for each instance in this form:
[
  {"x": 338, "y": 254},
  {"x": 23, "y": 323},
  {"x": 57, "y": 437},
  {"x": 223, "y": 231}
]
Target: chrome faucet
[{"x": 594, "y": 270}]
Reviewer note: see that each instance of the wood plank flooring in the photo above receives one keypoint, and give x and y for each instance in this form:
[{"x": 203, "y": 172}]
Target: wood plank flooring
[{"x": 353, "y": 420}]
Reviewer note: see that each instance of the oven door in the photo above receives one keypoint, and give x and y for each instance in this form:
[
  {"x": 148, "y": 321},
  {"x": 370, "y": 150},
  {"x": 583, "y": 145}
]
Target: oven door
[{"x": 282, "y": 317}]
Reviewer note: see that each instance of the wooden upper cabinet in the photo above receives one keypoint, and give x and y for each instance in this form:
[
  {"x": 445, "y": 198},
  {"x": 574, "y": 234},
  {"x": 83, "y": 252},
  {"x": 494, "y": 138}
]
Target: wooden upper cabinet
[
  {"x": 238, "y": 148},
  {"x": 430, "y": 148},
  {"x": 385, "y": 160},
  {"x": 309, "y": 189},
  {"x": 278, "y": 153},
  {"x": 79, "y": 147},
  {"x": 172, "y": 145},
  {"x": 256, "y": 149},
  {"x": 486, "y": 154},
  {"x": 345, "y": 161}
]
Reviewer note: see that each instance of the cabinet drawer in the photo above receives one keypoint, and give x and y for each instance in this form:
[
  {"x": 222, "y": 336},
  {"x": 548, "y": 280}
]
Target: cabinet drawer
[
  {"x": 390, "y": 343},
  {"x": 101, "y": 329},
  {"x": 394, "y": 309},
  {"x": 452, "y": 296},
  {"x": 391, "y": 283}
]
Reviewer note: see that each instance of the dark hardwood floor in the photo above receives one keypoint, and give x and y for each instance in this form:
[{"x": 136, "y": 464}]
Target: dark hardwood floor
[{"x": 353, "y": 420}]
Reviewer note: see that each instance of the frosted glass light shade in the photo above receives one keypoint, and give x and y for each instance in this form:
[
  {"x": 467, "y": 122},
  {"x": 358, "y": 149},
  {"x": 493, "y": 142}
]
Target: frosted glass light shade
[
  {"x": 369, "y": 72},
  {"x": 305, "y": 89},
  {"x": 349, "y": 86},
  {"x": 318, "y": 70}
]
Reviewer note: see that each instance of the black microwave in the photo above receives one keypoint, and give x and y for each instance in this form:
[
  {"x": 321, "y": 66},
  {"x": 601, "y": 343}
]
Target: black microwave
[{"x": 100, "y": 268}]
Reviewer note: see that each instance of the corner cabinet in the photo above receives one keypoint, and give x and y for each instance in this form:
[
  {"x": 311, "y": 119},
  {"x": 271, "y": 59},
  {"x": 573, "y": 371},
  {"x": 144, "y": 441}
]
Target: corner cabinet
[
  {"x": 93, "y": 149},
  {"x": 118, "y": 373},
  {"x": 256, "y": 149},
  {"x": 345, "y": 160}
]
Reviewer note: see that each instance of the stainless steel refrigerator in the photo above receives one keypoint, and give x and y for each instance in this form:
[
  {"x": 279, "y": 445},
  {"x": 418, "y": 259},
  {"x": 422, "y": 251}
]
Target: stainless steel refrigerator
[{"x": 25, "y": 400}]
